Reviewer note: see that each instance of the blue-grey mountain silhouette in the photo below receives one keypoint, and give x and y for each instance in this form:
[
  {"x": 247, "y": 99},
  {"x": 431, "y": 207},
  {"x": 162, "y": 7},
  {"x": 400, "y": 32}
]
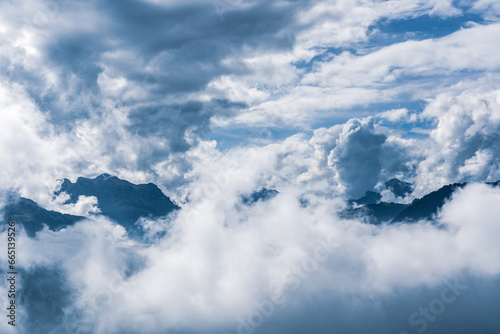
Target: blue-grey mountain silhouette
[
  {"x": 428, "y": 206},
  {"x": 125, "y": 203},
  {"x": 424, "y": 208},
  {"x": 399, "y": 188},
  {"x": 374, "y": 213},
  {"x": 261, "y": 195},
  {"x": 120, "y": 200},
  {"x": 371, "y": 197},
  {"x": 33, "y": 217}
]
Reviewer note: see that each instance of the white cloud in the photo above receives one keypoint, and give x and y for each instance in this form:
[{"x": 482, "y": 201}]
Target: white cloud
[
  {"x": 219, "y": 258},
  {"x": 394, "y": 115},
  {"x": 464, "y": 143},
  {"x": 489, "y": 8},
  {"x": 348, "y": 80}
]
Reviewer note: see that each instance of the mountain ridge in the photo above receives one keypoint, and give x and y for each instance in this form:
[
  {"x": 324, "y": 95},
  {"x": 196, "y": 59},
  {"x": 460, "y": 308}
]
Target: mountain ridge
[
  {"x": 125, "y": 203},
  {"x": 121, "y": 200},
  {"x": 424, "y": 208},
  {"x": 428, "y": 206},
  {"x": 33, "y": 217}
]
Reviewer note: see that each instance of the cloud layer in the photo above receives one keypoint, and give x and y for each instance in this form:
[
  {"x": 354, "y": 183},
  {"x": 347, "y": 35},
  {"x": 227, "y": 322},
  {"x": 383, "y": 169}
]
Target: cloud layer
[{"x": 222, "y": 263}]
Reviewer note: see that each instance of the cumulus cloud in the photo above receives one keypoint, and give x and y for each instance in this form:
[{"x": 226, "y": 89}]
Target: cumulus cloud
[
  {"x": 464, "y": 142},
  {"x": 356, "y": 157}
]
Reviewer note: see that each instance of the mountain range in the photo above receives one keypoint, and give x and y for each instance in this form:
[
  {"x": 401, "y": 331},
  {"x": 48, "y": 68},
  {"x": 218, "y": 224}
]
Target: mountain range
[
  {"x": 125, "y": 202},
  {"x": 372, "y": 210},
  {"x": 119, "y": 200}
]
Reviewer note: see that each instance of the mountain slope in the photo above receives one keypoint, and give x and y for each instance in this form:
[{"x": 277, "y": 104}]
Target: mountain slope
[
  {"x": 399, "y": 188},
  {"x": 375, "y": 213},
  {"x": 26, "y": 212},
  {"x": 371, "y": 197},
  {"x": 424, "y": 208},
  {"x": 427, "y": 206}
]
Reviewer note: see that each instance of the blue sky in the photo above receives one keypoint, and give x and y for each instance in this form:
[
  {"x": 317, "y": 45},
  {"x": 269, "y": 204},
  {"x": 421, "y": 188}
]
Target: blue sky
[{"x": 212, "y": 100}]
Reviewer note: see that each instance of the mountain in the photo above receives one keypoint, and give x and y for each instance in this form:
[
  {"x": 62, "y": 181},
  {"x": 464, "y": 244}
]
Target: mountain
[
  {"x": 427, "y": 206},
  {"x": 29, "y": 214},
  {"x": 261, "y": 195},
  {"x": 371, "y": 197},
  {"x": 424, "y": 208},
  {"x": 399, "y": 188},
  {"x": 370, "y": 209},
  {"x": 375, "y": 213},
  {"x": 125, "y": 202},
  {"x": 120, "y": 200}
]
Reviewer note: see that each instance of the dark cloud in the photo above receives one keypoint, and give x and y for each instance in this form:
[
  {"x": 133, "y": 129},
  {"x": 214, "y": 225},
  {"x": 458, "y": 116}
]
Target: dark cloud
[
  {"x": 43, "y": 295},
  {"x": 187, "y": 43},
  {"x": 163, "y": 53},
  {"x": 357, "y": 156},
  {"x": 390, "y": 313},
  {"x": 171, "y": 122}
]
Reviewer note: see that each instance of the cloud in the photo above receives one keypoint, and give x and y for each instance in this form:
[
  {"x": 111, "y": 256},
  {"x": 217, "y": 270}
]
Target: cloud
[
  {"x": 218, "y": 263},
  {"x": 132, "y": 98},
  {"x": 190, "y": 52},
  {"x": 407, "y": 70},
  {"x": 489, "y": 8},
  {"x": 356, "y": 157},
  {"x": 394, "y": 115},
  {"x": 463, "y": 143}
]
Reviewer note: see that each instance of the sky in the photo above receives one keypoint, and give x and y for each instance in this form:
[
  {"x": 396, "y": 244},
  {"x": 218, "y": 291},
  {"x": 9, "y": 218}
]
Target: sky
[{"x": 212, "y": 100}]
